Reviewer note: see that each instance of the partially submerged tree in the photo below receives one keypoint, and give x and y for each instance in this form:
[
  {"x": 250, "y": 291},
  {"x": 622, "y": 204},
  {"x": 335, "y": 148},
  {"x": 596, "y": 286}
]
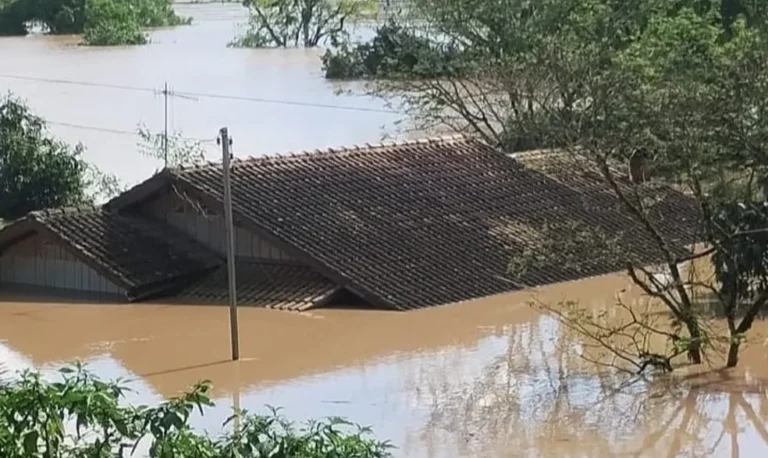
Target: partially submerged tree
[
  {"x": 652, "y": 95},
  {"x": 690, "y": 95},
  {"x": 111, "y": 23},
  {"x": 293, "y": 23},
  {"x": 103, "y": 22}
]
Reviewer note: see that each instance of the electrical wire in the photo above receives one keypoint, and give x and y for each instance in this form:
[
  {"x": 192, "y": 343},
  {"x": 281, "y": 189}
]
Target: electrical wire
[
  {"x": 289, "y": 102},
  {"x": 77, "y": 83},
  {"x": 202, "y": 94},
  {"x": 115, "y": 131}
]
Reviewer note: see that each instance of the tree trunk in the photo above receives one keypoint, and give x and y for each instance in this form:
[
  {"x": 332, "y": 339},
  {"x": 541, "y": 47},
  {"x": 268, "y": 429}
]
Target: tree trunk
[
  {"x": 694, "y": 351},
  {"x": 733, "y": 355}
]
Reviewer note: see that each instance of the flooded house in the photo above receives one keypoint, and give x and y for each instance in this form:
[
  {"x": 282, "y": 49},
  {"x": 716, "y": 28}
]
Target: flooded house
[{"x": 395, "y": 226}]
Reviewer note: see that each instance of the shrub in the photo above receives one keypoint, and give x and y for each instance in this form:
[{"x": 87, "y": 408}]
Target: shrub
[
  {"x": 112, "y": 23},
  {"x": 393, "y": 52},
  {"x": 84, "y": 417},
  {"x": 157, "y": 13}
]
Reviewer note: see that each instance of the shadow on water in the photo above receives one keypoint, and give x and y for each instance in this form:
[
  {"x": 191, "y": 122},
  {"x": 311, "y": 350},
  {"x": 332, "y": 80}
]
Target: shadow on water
[{"x": 489, "y": 378}]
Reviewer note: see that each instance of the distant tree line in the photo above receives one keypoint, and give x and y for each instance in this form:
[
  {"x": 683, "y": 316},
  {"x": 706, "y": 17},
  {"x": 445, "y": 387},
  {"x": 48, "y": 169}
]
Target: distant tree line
[{"x": 102, "y": 22}]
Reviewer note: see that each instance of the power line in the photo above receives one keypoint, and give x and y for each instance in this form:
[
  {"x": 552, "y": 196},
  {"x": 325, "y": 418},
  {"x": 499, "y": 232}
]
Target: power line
[
  {"x": 94, "y": 128},
  {"x": 114, "y": 131},
  {"x": 289, "y": 102},
  {"x": 203, "y": 94},
  {"x": 78, "y": 83}
]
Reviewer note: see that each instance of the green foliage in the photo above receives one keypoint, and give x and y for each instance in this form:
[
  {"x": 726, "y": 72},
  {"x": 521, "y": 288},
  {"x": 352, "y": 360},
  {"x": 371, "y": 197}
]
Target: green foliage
[
  {"x": 36, "y": 170},
  {"x": 394, "y": 52},
  {"x": 741, "y": 260},
  {"x": 307, "y": 23},
  {"x": 686, "y": 81},
  {"x": 103, "y": 22},
  {"x": 13, "y": 16},
  {"x": 157, "y": 13},
  {"x": 58, "y": 16},
  {"x": 81, "y": 416},
  {"x": 112, "y": 23}
]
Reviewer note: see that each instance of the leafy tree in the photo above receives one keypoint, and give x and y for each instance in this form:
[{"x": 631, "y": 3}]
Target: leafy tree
[
  {"x": 111, "y": 23},
  {"x": 13, "y": 16},
  {"x": 694, "y": 95},
  {"x": 394, "y": 51},
  {"x": 104, "y": 22},
  {"x": 307, "y": 23},
  {"x": 81, "y": 416},
  {"x": 672, "y": 89},
  {"x": 36, "y": 170}
]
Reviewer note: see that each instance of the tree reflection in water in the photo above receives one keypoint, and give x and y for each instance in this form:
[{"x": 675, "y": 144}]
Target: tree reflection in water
[{"x": 540, "y": 400}]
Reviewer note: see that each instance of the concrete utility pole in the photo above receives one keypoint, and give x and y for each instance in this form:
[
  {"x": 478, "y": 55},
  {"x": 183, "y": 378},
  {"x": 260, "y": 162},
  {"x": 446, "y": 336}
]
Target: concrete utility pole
[{"x": 226, "y": 142}]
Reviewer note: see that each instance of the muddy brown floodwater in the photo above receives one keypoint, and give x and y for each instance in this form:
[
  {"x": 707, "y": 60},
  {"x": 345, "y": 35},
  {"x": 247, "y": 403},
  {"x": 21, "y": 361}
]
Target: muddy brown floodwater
[
  {"x": 190, "y": 59},
  {"x": 482, "y": 379}
]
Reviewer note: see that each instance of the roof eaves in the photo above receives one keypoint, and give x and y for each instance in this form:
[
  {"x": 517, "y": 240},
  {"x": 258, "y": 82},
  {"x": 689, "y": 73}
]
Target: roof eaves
[
  {"x": 141, "y": 191},
  {"x": 167, "y": 287},
  {"x": 15, "y": 231}
]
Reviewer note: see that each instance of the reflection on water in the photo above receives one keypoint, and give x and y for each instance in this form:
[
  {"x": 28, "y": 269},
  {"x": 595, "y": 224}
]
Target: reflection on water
[
  {"x": 190, "y": 59},
  {"x": 483, "y": 379}
]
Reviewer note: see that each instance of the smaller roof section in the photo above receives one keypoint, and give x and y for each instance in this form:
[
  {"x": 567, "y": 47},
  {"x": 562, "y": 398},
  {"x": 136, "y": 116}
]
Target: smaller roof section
[
  {"x": 271, "y": 285},
  {"x": 138, "y": 255}
]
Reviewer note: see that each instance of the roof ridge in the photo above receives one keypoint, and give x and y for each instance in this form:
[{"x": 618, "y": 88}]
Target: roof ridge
[
  {"x": 365, "y": 147},
  {"x": 60, "y": 211}
]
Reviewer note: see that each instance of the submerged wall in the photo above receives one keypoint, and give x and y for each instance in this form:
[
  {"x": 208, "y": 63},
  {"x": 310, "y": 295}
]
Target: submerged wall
[{"x": 38, "y": 262}]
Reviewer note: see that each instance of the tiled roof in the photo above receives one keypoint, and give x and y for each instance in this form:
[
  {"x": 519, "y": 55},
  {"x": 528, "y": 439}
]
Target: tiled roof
[
  {"x": 673, "y": 213},
  {"x": 136, "y": 254},
  {"x": 270, "y": 285},
  {"x": 418, "y": 223}
]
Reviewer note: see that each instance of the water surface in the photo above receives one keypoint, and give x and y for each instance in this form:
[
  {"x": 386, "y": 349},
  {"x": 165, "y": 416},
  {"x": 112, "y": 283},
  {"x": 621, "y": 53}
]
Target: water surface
[
  {"x": 488, "y": 378},
  {"x": 190, "y": 59}
]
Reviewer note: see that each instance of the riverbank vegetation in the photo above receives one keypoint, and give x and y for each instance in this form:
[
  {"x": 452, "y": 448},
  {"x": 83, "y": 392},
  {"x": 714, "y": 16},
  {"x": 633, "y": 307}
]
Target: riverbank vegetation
[
  {"x": 294, "y": 23},
  {"x": 102, "y": 22},
  {"x": 84, "y": 417}
]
